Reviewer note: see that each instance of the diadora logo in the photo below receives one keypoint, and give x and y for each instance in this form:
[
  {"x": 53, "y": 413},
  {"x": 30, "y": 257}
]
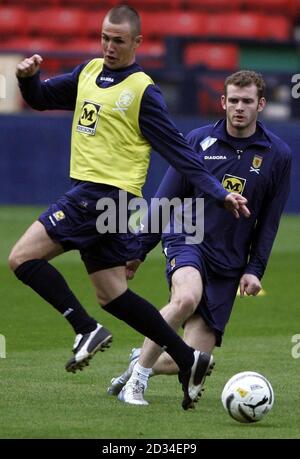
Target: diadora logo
[
  {"x": 89, "y": 117},
  {"x": 215, "y": 157},
  {"x": 234, "y": 184}
]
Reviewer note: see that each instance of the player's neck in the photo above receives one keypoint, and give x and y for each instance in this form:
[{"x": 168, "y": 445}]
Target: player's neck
[{"x": 240, "y": 133}]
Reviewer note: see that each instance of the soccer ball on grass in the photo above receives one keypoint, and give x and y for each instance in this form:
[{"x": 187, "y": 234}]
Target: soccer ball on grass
[{"x": 247, "y": 397}]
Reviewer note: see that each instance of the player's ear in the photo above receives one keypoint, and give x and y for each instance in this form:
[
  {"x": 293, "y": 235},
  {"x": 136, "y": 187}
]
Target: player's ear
[
  {"x": 223, "y": 102},
  {"x": 261, "y": 104},
  {"x": 138, "y": 40}
]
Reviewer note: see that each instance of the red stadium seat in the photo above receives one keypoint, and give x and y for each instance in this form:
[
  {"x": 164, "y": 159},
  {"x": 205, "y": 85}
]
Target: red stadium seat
[
  {"x": 30, "y": 46},
  {"x": 172, "y": 23},
  {"x": 152, "y": 54},
  {"x": 215, "y": 5},
  {"x": 295, "y": 9},
  {"x": 82, "y": 46},
  {"x": 235, "y": 25},
  {"x": 13, "y": 20},
  {"x": 284, "y": 7},
  {"x": 152, "y": 48},
  {"x": 214, "y": 56},
  {"x": 57, "y": 21},
  {"x": 93, "y": 23},
  {"x": 277, "y": 28},
  {"x": 152, "y": 4},
  {"x": 209, "y": 96},
  {"x": 105, "y": 4},
  {"x": 33, "y": 3}
]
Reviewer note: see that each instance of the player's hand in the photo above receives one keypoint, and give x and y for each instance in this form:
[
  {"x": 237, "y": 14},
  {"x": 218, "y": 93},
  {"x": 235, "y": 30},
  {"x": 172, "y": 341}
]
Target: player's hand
[
  {"x": 249, "y": 284},
  {"x": 29, "y": 66},
  {"x": 236, "y": 204},
  {"x": 131, "y": 267}
]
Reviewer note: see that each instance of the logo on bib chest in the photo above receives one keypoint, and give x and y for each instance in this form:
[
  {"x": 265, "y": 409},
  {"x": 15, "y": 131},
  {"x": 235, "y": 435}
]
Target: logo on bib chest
[
  {"x": 125, "y": 100},
  {"x": 89, "y": 117}
]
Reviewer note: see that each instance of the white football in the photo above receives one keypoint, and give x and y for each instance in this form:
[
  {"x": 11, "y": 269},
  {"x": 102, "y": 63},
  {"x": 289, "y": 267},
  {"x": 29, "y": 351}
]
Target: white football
[{"x": 247, "y": 397}]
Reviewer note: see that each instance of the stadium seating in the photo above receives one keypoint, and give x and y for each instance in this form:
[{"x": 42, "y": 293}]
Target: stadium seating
[
  {"x": 215, "y": 5},
  {"x": 57, "y": 22},
  {"x": 276, "y": 28},
  {"x": 235, "y": 25},
  {"x": 152, "y": 48},
  {"x": 247, "y": 25},
  {"x": 30, "y": 45},
  {"x": 13, "y": 21},
  {"x": 208, "y": 95},
  {"x": 84, "y": 46},
  {"x": 172, "y": 23},
  {"x": 215, "y": 34},
  {"x": 162, "y": 5},
  {"x": 152, "y": 54},
  {"x": 92, "y": 23},
  {"x": 284, "y": 7},
  {"x": 213, "y": 56}
]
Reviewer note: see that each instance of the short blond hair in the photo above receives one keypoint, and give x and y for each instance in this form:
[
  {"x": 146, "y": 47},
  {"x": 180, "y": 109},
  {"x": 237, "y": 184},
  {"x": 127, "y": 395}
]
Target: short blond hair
[{"x": 125, "y": 13}]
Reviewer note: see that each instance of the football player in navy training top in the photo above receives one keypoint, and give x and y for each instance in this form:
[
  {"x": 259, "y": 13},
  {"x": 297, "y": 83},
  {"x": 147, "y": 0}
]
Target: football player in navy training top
[
  {"x": 119, "y": 114},
  {"x": 204, "y": 278}
]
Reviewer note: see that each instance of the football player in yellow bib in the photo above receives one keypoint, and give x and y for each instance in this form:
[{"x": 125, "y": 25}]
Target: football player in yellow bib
[{"x": 119, "y": 114}]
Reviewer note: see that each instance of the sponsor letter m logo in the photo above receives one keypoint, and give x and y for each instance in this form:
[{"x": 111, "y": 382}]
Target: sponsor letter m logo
[
  {"x": 88, "y": 115},
  {"x": 230, "y": 186}
]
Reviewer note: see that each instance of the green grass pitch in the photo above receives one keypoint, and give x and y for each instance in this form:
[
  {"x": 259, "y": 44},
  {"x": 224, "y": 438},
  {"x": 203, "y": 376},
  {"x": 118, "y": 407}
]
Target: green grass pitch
[{"x": 39, "y": 399}]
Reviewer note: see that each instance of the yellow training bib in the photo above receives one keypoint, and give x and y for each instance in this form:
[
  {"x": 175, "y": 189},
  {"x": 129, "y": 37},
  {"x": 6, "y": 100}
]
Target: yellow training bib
[{"x": 107, "y": 144}]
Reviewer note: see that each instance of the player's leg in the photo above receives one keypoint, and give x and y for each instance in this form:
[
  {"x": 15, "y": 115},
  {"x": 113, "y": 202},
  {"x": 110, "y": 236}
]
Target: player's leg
[
  {"x": 197, "y": 334},
  {"x": 186, "y": 293},
  {"x": 144, "y": 317},
  {"x": 33, "y": 244},
  {"x": 29, "y": 261},
  {"x": 115, "y": 297}
]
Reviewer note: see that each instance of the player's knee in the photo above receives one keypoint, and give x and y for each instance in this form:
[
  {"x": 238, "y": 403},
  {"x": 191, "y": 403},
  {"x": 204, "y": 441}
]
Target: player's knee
[
  {"x": 14, "y": 259},
  {"x": 185, "y": 304},
  {"x": 18, "y": 255},
  {"x": 102, "y": 299},
  {"x": 106, "y": 297}
]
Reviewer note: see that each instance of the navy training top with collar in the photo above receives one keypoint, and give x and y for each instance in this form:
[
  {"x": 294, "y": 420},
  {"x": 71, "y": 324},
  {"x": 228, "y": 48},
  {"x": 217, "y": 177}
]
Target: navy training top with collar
[
  {"x": 259, "y": 168},
  {"x": 156, "y": 126}
]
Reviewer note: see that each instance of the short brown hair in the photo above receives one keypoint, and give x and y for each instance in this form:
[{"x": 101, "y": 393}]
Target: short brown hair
[
  {"x": 125, "y": 13},
  {"x": 245, "y": 78}
]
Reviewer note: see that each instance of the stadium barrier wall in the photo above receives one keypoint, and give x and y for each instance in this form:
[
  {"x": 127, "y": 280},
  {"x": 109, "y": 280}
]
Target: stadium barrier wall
[{"x": 34, "y": 157}]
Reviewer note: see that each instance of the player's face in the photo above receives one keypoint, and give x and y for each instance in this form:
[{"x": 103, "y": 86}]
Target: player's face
[
  {"x": 118, "y": 44},
  {"x": 242, "y": 107}
]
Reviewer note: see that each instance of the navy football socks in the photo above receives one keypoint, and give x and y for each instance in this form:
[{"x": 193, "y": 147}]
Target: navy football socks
[
  {"x": 45, "y": 280},
  {"x": 145, "y": 318}
]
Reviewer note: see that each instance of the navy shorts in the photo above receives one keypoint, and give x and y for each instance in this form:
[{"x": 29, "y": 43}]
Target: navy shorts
[
  {"x": 71, "y": 221},
  {"x": 219, "y": 292}
]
